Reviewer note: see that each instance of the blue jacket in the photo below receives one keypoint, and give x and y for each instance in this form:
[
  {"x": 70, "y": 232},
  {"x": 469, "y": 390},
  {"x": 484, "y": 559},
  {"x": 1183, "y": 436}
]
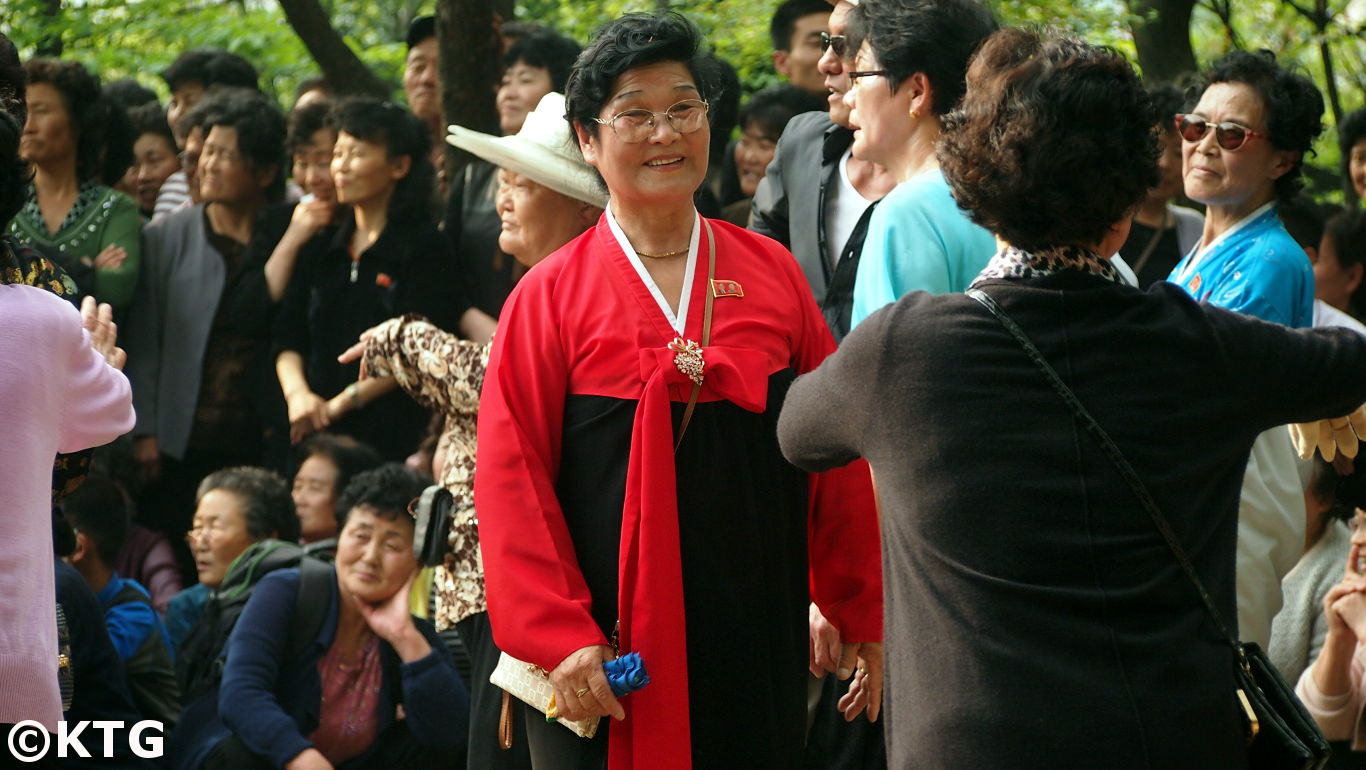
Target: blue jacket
[{"x": 272, "y": 705}]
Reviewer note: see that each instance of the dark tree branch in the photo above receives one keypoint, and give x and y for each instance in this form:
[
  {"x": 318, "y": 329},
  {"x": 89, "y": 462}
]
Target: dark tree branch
[
  {"x": 1161, "y": 30},
  {"x": 470, "y": 55},
  {"x": 345, "y": 72}
]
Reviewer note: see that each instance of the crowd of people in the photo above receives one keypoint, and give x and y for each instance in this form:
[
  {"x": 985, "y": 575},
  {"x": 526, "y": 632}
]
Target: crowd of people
[{"x": 734, "y": 384}]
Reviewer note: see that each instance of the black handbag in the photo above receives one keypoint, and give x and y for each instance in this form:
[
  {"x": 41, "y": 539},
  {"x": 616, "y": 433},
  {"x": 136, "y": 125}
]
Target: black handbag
[{"x": 1280, "y": 733}]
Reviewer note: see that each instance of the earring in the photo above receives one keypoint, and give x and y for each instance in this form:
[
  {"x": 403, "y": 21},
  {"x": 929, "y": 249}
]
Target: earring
[{"x": 915, "y": 114}]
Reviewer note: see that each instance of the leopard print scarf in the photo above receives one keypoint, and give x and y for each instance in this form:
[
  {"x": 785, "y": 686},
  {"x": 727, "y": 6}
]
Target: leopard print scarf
[{"x": 1012, "y": 263}]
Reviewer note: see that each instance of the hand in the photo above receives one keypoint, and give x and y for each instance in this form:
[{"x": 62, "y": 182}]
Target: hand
[
  {"x": 582, "y": 672},
  {"x": 147, "y": 454},
  {"x": 310, "y": 217},
  {"x": 1330, "y": 437},
  {"x": 865, "y": 691},
  {"x": 98, "y": 320},
  {"x": 825, "y": 643},
  {"x": 309, "y": 759},
  {"x": 111, "y": 257},
  {"x": 357, "y": 351},
  {"x": 391, "y": 621},
  {"x": 307, "y": 414}
]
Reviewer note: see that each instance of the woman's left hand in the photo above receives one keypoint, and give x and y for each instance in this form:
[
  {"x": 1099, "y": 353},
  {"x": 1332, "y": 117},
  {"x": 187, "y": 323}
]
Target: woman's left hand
[
  {"x": 111, "y": 257},
  {"x": 865, "y": 688},
  {"x": 391, "y": 621}
]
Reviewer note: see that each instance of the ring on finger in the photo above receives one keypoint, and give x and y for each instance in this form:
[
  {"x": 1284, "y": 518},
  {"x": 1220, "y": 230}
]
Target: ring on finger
[{"x": 580, "y": 693}]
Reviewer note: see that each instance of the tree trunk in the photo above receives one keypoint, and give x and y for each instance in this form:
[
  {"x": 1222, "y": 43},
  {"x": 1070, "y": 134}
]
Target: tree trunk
[
  {"x": 50, "y": 45},
  {"x": 1162, "y": 36},
  {"x": 470, "y": 54},
  {"x": 345, "y": 72}
]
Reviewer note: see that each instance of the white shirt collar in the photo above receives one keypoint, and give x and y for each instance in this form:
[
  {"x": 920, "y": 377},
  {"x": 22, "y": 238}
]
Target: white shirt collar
[{"x": 678, "y": 321}]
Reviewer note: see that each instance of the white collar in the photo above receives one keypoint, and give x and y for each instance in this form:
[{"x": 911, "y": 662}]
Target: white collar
[
  {"x": 680, "y": 320},
  {"x": 1198, "y": 254}
]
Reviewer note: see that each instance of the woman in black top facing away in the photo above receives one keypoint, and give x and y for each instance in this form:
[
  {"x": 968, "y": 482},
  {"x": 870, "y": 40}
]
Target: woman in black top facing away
[
  {"x": 1034, "y": 615},
  {"x": 386, "y": 259}
]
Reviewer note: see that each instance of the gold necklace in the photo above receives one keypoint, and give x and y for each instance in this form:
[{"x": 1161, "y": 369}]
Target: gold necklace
[{"x": 662, "y": 256}]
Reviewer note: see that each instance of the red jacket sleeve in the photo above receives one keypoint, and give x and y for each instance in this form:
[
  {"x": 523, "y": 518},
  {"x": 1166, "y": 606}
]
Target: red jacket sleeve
[
  {"x": 539, "y": 604},
  {"x": 842, "y": 526}
]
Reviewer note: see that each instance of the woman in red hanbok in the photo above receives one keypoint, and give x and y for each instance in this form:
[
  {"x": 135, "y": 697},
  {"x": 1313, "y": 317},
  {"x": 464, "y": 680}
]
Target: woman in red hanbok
[{"x": 629, "y": 478}]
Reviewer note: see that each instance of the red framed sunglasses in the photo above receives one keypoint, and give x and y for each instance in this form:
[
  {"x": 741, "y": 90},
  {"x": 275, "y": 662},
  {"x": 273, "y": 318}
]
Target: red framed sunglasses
[{"x": 1229, "y": 136}]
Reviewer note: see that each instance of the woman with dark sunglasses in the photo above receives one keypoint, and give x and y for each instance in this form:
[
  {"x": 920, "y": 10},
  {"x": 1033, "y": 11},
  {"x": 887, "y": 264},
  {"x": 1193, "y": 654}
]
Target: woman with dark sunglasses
[{"x": 1242, "y": 150}]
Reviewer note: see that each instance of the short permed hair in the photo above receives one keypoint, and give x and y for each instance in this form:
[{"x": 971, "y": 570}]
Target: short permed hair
[
  {"x": 400, "y": 133},
  {"x": 304, "y": 122},
  {"x": 349, "y": 456},
  {"x": 128, "y": 93},
  {"x": 1352, "y": 130},
  {"x": 150, "y": 118},
  {"x": 267, "y": 504},
  {"x": 1347, "y": 230},
  {"x": 631, "y": 41},
  {"x": 548, "y": 50},
  {"x": 211, "y": 67},
  {"x": 92, "y": 116},
  {"x": 260, "y": 130},
  {"x": 1294, "y": 106},
  {"x": 1052, "y": 144},
  {"x": 15, "y": 172},
  {"x": 783, "y": 25},
  {"x": 1167, "y": 101},
  {"x": 387, "y": 490},
  {"x": 936, "y": 37}
]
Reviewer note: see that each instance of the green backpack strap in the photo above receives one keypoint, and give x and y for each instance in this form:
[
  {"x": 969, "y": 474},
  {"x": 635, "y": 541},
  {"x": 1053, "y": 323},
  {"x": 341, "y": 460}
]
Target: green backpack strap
[{"x": 310, "y": 606}]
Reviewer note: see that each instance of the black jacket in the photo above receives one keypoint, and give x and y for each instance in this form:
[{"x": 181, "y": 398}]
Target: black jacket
[{"x": 789, "y": 207}]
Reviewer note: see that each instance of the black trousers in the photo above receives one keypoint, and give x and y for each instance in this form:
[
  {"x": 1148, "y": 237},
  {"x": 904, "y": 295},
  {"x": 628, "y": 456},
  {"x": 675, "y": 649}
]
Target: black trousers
[
  {"x": 486, "y": 703},
  {"x": 396, "y": 748}
]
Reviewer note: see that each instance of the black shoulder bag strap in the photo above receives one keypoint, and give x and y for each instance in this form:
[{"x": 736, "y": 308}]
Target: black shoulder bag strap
[{"x": 1290, "y": 736}]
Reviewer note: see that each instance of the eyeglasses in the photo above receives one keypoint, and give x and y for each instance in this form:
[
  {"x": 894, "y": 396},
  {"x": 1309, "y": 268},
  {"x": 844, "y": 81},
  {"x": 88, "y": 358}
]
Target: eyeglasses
[
  {"x": 1229, "y": 136},
  {"x": 854, "y": 76},
  {"x": 839, "y": 42},
  {"x": 632, "y": 126}
]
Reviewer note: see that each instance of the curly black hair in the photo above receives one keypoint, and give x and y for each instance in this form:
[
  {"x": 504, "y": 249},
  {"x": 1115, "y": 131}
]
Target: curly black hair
[
  {"x": 401, "y": 133},
  {"x": 13, "y": 80},
  {"x": 1294, "y": 106},
  {"x": 936, "y": 37},
  {"x": 634, "y": 40},
  {"x": 260, "y": 128},
  {"x": 150, "y": 118},
  {"x": 15, "y": 172},
  {"x": 211, "y": 67},
  {"x": 387, "y": 489},
  {"x": 548, "y": 50},
  {"x": 104, "y": 141},
  {"x": 267, "y": 504},
  {"x": 1352, "y": 130},
  {"x": 349, "y": 456},
  {"x": 1052, "y": 144},
  {"x": 1347, "y": 230}
]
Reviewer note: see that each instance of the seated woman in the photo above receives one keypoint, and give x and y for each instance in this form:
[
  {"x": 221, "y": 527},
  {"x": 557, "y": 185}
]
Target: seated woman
[
  {"x": 326, "y": 464},
  {"x": 547, "y": 197},
  {"x": 385, "y": 259},
  {"x": 1060, "y": 601},
  {"x": 339, "y": 704},
  {"x": 92, "y": 231}
]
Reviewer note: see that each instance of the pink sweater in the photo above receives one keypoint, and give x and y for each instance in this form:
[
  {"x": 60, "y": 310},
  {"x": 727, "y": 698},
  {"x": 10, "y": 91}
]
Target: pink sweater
[
  {"x": 1339, "y": 716},
  {"x": 56, "y": 395}
]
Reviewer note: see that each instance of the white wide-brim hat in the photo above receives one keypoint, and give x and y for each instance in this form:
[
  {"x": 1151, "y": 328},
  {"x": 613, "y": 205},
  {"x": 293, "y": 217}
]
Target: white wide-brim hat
[{"x": 544, "y": 151}]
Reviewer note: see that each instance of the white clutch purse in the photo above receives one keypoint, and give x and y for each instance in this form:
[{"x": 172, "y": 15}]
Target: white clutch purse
[{"x": 530, "y": 684}]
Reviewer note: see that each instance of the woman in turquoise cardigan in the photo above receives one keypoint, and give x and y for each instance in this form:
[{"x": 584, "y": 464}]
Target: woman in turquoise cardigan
[{"x": 89, "y": 229}]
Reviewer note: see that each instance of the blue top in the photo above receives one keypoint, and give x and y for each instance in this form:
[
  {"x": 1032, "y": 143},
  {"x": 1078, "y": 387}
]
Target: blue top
[
  {"x": 918, "y": 240},
  {"x": 184, "y": 611},
  {"x": 272, "y": 704},
  {"x": 130, "y": 623},
  {"x": 1257, "y": 269}
]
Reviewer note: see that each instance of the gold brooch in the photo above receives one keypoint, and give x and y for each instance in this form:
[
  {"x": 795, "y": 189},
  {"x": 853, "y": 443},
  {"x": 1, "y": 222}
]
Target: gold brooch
[{"x": 688, "y": 358}]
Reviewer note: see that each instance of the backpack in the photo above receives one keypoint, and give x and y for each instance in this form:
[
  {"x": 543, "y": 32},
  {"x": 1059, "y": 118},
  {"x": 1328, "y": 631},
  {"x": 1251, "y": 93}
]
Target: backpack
[
  {"x": 151, "y": 672},
  {"x": 201, "y": 657}
]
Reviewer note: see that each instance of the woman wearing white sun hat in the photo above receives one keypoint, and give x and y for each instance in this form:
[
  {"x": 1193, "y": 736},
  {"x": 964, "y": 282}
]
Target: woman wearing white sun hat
[{"x": 547, "y": 195}]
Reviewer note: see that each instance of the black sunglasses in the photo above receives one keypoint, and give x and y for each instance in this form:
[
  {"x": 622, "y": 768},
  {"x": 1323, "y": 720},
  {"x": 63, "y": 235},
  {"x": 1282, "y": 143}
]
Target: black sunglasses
[
  {"x": 839, "y": 42},
  {"x": 1229, "y": 136}
]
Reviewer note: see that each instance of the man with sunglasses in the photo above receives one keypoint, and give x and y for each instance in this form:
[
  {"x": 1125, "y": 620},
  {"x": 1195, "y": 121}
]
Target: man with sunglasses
[{"x": 816, "y": 197}]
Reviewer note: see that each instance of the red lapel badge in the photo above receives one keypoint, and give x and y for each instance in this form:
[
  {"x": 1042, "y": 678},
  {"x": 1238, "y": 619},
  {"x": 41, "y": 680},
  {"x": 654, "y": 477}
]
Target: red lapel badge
[
  {"x": 1195, "y": 284},
  {"x": 383, "y": 280},
  {"x": 721, "y": 288}
]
